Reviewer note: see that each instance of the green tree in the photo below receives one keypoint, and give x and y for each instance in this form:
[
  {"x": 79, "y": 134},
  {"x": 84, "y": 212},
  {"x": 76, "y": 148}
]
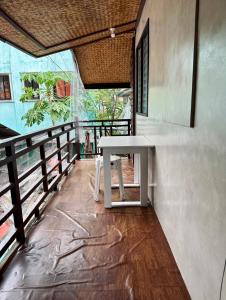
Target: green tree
[
  {"x": 48, "y": 103},
  {"x": 102, "y": 104}
]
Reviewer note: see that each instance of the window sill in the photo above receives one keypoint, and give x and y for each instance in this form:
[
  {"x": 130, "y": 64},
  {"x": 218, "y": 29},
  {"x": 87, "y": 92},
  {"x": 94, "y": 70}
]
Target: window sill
[
  {"x": 141, "y": 114},
  {"x": 34, "y": 100}
]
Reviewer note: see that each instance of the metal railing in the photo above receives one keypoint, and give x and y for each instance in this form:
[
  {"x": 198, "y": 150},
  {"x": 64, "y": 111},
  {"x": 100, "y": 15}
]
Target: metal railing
[
  {"x": 55, "y": 145},
  {"x": 99, "y": 128}
]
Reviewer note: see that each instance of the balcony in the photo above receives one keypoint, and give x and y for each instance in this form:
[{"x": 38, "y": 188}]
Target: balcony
[{"x": 76, "y": 248}]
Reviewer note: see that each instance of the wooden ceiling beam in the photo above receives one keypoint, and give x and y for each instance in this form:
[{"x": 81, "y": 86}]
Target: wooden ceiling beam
[
  {"x": 19, "y": 28},
  {"x": 28, "y": 35}
]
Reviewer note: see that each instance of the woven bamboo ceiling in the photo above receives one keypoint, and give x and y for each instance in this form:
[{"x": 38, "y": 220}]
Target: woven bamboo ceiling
[{"x": 47, "y": 26}]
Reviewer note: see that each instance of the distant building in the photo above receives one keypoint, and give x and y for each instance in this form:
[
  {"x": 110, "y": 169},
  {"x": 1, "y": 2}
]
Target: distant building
[{"x": 12, "y": 63}]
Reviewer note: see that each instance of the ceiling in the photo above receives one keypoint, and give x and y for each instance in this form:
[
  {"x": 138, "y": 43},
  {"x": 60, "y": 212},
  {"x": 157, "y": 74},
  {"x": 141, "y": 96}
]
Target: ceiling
[{"x": 48, "y": 26}]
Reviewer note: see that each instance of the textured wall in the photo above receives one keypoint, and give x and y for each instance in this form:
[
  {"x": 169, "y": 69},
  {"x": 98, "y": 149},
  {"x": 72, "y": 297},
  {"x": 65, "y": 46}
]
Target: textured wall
[
  {"x": 191, "y": 163},
  {"x": 14, "y": 62},
  {"x": 171, "y": 58}
]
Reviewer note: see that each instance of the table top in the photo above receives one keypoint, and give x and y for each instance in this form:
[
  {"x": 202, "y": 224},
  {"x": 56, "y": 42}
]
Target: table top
[{"x": 123, "y": 141}]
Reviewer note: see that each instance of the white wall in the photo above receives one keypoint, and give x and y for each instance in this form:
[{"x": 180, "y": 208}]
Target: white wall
[{"x": 190, "y": 197}]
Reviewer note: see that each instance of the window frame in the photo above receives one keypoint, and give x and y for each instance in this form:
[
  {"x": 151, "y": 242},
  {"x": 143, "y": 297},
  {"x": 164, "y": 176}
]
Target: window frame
[
  {"x": 2, "y": 100},
  {"x": 140, "y": 67},
  {"x": 33, "y": 98}
]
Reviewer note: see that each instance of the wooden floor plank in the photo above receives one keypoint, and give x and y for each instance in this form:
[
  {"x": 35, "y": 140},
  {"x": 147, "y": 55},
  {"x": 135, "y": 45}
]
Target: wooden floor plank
[{"x": 80, "y": 250}]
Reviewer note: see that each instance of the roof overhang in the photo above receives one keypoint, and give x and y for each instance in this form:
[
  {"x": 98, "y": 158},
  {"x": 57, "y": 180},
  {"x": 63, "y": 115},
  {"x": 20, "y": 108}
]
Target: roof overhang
[
  {"x": 45, "y": 27},
  {"x": 6, "y": 132}
]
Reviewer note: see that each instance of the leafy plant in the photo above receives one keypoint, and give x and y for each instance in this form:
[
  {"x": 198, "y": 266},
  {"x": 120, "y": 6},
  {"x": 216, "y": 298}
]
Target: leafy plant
[
  {"x": 102, "y": 104},
  {"x": 48, "y": 103}
]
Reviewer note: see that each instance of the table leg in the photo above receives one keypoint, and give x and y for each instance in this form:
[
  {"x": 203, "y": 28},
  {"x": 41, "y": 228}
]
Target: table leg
[
  {"x": 107, "y": 178},
  {"x": 136, "y": 168},
  {"x": 144, "y": 177}
]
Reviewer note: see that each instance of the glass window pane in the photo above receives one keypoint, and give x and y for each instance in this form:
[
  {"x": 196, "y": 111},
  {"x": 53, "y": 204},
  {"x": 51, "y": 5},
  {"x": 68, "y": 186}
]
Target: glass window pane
[
  {"x": 2, "y": 93},
  {"x": 139, "y": 83},
  {"x": 145, "y": 75},
  {"x": 7, "y": 87},
  {"x": 5, "y": 93}
]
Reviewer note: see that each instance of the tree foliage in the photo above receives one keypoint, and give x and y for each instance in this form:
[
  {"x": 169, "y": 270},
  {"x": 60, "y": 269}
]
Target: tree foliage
[
  {"x": 102, "y": 104},
  {"x": 48, "y": 103}
]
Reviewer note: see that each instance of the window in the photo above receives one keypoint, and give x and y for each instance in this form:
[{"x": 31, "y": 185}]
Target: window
[
  {"x": 62, "y": 89},
  {"x": 5, "y": 93},
  {"x": 34, "y": 85},
  {"x": 142, "y": 72}
]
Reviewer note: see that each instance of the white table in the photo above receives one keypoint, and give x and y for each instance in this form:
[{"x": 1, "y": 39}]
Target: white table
[{"x": 125, "y": 145}]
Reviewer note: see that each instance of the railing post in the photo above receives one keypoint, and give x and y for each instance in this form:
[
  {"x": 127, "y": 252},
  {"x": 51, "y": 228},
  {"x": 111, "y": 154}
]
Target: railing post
[
  {"x": 59, "y": 155},
  {"x": 95, "y": 139},
  {"x": 129, "y": 127},
  {"x": 76, "y": 144},
  {"x": 44, "y": 169},
  {"x": 68, "y": 147},
  {"x": 15, "y": 193}
]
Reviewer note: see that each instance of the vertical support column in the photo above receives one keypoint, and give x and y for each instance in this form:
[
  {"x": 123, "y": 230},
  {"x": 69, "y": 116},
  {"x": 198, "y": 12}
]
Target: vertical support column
[
  {"x": 15, "y": 193},
  {"x": 107, "y": 178},
  {"x": 76, "y": 145},
  {"x": 77, "y": 150},
  {"x": 144, "y": 176}
]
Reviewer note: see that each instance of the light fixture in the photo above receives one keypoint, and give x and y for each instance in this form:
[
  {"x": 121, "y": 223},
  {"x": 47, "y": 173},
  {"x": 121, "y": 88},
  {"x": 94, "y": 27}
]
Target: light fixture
[{"x": 112, "y": 31}]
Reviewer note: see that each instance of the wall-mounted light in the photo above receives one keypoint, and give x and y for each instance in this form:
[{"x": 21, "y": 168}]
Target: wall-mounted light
[{"x": 112, "y": 31}]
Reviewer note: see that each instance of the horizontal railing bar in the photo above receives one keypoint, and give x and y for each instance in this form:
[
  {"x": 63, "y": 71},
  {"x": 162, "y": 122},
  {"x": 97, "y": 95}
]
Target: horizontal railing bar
[
  {"x": 33, "y": 147},
  {"x": 55, "y": 181},
  {"x": 5, "y": 189},
  {"x": 52, "y": 183},
  {"x": 50, "y": 189},
  {"x": 6, "y": 215},
  {"x": 66, "y": 144},
  {"x": 89, "y": 153},
  {"x": 64, "y": 156},
  {"x": 73, "y": 158},
  {"x": 30, "y": 142},
  {"x": 119, "y": 134},
  {"x": 5, "y": 161},
  {"x": 105, "y": 120},
  {"x": 103, "y": 126},
  {"x": 5, "y": 244},
  {"x": 52, "y": 169},
  {"x": 39, "y": 201},
  {"x": 52, "y": 154},
  {"x": 7, "y": 142},
  {"x": 31, "y": 190},
  {"x": 67, "y": 167},
  {"x": 29, "y": 171}
]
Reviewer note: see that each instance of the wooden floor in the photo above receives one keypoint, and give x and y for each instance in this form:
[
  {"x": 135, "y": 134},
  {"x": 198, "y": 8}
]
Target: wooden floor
[{"x": 79, "y": 250}]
